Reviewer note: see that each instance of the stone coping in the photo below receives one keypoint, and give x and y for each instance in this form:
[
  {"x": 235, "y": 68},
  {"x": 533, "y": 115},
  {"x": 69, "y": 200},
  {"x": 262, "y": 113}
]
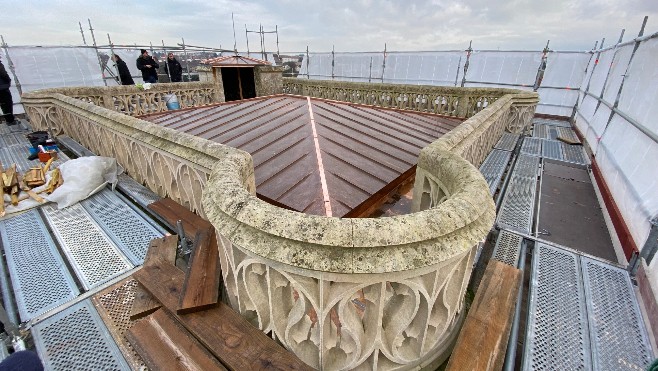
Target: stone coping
[
  {"x": 399, "y": 88},
  {"x": 80, "y": 91},
  {"x": 319, "y": 243}
]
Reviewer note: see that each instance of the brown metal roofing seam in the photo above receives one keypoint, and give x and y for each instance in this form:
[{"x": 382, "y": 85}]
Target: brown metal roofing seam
[
  {"x": 268, "y": 126},
  {"x": 323, "y": 180},
  {"x": 340, "y": 159},
  {"x": 269, "y": 142},
  {"x": 374, "y": 149},
  {"x": 245, "y": 123},
  {"x": 394, "y": 130}
]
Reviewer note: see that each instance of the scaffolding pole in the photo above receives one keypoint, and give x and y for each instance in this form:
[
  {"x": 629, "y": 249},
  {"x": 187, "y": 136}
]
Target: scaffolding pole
[
  {"x": 187, "y": 60},
  {"x": 166, "y": 60},
  {"x": 332, "y": 62},
  {"x": 10, "y": 64},
  {"x": 246, "y": 34},
  {"x": 116, "y": 64},
  {"x": 384, "y": 63},
  {"x": 308, "y": 76},
  {"x": 542, "y": 67},
  {"x": 82, "y": 33},
  {"x": 98, "y": 56},
  {"x": 468, "y": 60}
]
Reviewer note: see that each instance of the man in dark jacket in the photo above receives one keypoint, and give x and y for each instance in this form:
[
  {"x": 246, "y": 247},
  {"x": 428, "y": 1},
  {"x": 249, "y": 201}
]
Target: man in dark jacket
[
  {"x": 6, "y": 103},
  {"x": 148, "y": 66},
  {"x": 173, "y": 68},
  {"x": 124, "y": 72}
]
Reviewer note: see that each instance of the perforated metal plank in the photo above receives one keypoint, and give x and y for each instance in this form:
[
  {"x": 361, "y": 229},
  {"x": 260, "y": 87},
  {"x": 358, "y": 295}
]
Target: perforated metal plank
[
  {"x": 39, "y": 276},
  {"x": 74, "y": 146},
  {"x": 507, "y": 142},
  {"x": 91, "y": 253},
  {"x": 551, "y": 149},
  {"x": 568, "y": 133},
  {"x": 5, "y": 158},
  {"x": 539, "y": 131},
  {"x": 137, "y": 192},
  {"x": 508, "y": 248},
  {"x": 494, "y": 167},
  {"x": 77, "y": 339},
  {"x": 518, "y": 204},
  {"x": 575, "y": 154},
  {"x": 557, "y": 337},
  {"x": 531, "y": 146},
  {"x": 618, "y": 336},
  {"x": 127, "y": 229},
  {"x": 559, "y": 123}
]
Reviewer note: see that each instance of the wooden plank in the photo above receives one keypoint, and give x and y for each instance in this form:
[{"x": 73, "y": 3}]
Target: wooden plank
[
  {"x": 164, "y": 345},
  {"x": 202, "y": 279},
  {"x": 482, "y": 342},
  {"x": 162, "y": 250},
  {"x": 227, "y": 335},
  {"x": 171, "y": 211},
  {"x": 144, "y": 303}
]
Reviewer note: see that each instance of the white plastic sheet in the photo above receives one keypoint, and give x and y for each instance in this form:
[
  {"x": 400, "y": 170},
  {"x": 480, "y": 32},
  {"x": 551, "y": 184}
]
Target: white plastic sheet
[{"x": 517, "y": 68}]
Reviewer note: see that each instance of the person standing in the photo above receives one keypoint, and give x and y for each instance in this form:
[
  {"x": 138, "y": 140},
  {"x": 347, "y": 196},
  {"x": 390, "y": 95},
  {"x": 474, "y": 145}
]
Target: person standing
[
  {"x": 148, "y": 66},
  {"x": 6, "y": 102},
  {"x": 124, "y": 72},
  {"x": 173, "y": 68}
]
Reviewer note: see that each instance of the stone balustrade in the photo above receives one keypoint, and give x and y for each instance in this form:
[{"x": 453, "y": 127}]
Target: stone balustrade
[
  {"x": 382, "y": 294},
  {"x": 133, "y": 101},
  {"x": 443, "y": 100}
]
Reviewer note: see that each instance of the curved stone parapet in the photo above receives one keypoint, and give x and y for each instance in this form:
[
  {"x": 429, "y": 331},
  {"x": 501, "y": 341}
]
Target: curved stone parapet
[{"x": 381, "y": 294}]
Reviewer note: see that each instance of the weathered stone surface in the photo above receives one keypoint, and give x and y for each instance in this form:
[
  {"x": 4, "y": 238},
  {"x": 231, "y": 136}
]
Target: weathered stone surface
[
  {"x": 340, "y": 293},
  {"x": 269, "y": 80}
]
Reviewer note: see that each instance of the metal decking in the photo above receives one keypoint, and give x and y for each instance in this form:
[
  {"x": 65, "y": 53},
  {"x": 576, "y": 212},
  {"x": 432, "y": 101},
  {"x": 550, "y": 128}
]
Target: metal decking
[
  {"x": 56, "y": 259},
  {"x": 517, "y": 209},
  {"x": 494, "y": 167},
  {"x": 77, "y": 339},
  {"x": 583, "y": 314},
  {"x": 582, "y": 311}
]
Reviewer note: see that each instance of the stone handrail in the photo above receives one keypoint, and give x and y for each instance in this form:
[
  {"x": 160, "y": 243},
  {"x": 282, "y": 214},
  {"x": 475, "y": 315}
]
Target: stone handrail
[
  {"x": 340, "y": 293},
  {"x": 444, "y": 100},
  {"x": 133, "y": 101}
]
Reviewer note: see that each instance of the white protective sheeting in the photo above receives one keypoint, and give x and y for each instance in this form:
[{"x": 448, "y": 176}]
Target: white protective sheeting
[
  {"x": 432, "y": 68},
  {"x": 626, "y": 155},
  {"x": 493, "y": 67},
  {"x": 562, "y": 79},
  {"x": 39, "y": 68},
  {"x": 639, "y": 99}
]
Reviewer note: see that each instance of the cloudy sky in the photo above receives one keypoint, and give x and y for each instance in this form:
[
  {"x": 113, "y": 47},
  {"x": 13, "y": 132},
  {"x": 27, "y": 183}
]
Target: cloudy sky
[{"x": 349, "y": 25}]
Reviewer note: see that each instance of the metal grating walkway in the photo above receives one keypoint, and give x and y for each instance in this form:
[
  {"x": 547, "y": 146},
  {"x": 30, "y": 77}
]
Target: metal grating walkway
[
  {"x": 551, "y": 149},
  {"x": 494, "y": 167},
  {"x": 517, "y": 208},
  {"x": 508, "y": 248},
  {"x": 93, "y": 256},
  {"x": 127, "y": 229},
  {"x": 551, "y": 122},
  {"x": 557, "y": 336},
  {"x": 507, "y": 142},
  {"x": 617, "y": 333},
  {"x": 531, "y": 146},
  {"x": 77, "y": 339},
  {"x": 583, "y": 314},
  {"x": 38, "y": 273}
]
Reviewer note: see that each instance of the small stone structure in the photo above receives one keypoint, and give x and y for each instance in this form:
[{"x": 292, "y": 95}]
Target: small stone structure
[{"x": 380, "y": 294}]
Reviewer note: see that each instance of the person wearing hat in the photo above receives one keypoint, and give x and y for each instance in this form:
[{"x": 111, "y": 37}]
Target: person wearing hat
[
  {"x": 148, "y": 66},
  {"x": 6, "y": 102}
]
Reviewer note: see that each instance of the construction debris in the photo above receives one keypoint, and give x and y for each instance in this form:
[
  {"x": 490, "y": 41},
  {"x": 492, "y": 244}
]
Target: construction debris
[{"x": 13, "y": 183}]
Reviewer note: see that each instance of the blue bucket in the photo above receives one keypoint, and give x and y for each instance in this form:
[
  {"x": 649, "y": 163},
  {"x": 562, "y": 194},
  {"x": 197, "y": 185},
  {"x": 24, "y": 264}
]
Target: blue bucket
[{"x": 171, "y": 101}]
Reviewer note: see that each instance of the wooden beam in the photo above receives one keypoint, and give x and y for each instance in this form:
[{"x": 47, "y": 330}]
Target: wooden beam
[
  {"x": 228, "y": 336},
  {"x": 162, "y": 250},
  {"x": 482, "y": 342},
  {"x": 203, "y": 276},
  {"x": 164, "y": 345},
  {"x": 144, "y": 304},
  {"x": 171, "y": 211}
]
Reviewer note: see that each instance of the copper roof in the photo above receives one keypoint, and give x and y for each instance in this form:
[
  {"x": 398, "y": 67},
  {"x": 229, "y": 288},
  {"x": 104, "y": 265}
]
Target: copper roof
[
  {"x": 309, "y": 152},
  {"x": 235, "y": 61}
]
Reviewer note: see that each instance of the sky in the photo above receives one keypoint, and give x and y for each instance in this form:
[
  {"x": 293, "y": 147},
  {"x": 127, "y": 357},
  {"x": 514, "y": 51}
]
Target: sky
[{"x": 345, "y": 25}]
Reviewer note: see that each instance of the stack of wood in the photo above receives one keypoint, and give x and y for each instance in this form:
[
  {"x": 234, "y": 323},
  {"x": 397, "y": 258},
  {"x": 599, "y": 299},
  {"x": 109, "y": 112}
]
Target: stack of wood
[
  {"x": 13, "y": 183},
  {"x": 183, "y": 324}
]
